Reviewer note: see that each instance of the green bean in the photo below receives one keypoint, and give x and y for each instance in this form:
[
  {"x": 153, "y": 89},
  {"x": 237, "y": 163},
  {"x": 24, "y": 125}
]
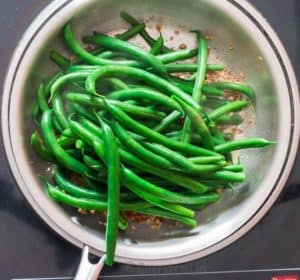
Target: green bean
[
  {"x": 43, "y": 104},
  {"x": 67, "y": 132},
  {"x": 118, "y": 84},
  {"x": 230, "y": 107},
  {"x": 198, "y": 123},
  {"x": 93, "y": 163},
  {"x": 131, "y": 32},
  {"x": 137, "y": 149},
  {"x": 59, "y": 59},
  {"x": 138, "y": 74},
  {"x": 243, "y": 144},
  {"x": 180, "y": 67},
  {"x": 180, "y": 160},
  {"x": 234, "y": 168},
  {"x": 157, "y": 46},
  {"x": 83, "y": 133},
  {"x": 214, "y": 102},
  {"x": 176, "y": 55},
  {"x": 168, "y": 215},
  {"x": 91, "y": 127},
  {"x": 249, "y": 92},
  {"x": 61, "y": 156},
  {"x": 88, "y": 57},
  {"x": 170, "y": 176},
  {"x": 167, "y": 121},
  {"x": 235, "y": 119},
  {"x": 98, "y": 103},
  {"x": 59, "y": 111},
  {"x": 197, "y": 94},
  {"x": 140, "y": 54},
  {"x": 113, "y": 186},
  {"x": 131, "y": 178},
  {"x": 122, "y": 223},
  {"x": 143, "y": 32},
  {"x": 145, "y": 93},
  {"x": 227, "y": 176},
  {"x": 91, "y": 204},
  {"x": 35, "y": 112},
  {"x": 154, "y": 200},
  {"x": 75, "y": 107},
  {"x": 207, "y": 89},
  {"x": 148, "y": 133},
  {"x": 201, "y": 71},
  {"x": 51, "y": 82},
  {"x": 76, "y": 190},
  {"x": 65, "y": 141},
  {"x": 206, "y": 160},
  {"x": 70, "y": 77},
  {"x": 39, "y": 147}
]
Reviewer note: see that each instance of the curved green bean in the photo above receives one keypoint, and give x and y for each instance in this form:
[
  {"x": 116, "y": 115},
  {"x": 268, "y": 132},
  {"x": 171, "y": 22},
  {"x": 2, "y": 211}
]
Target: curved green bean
[
  {"x": 119, "y": 45},
  {"x": 243, "y": 144},
  {"x": 138, "y": 128},
  {"x": 137, "y": 74},
  {"x": 58, "y": 152},
  {"x": 136, "y": 148}
]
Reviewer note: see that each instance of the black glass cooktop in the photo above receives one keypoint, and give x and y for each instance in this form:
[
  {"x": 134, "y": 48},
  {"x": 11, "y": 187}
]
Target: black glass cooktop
[{"x": 28, "y": 249}]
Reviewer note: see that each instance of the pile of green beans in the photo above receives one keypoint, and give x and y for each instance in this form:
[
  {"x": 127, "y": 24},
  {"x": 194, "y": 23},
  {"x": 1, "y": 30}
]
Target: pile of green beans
[{"x": 138, "y": 137}]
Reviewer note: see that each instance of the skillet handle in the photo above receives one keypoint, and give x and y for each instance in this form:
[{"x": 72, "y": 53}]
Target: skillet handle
[{"x": 87, "y": 270}]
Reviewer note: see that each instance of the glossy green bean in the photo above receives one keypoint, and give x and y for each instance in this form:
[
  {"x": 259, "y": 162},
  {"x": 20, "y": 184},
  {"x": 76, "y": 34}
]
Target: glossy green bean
[
  {"x": 59, "y": 59},
  {"x": 145, "y": 93},
  {"x": 235, "y": 119},
  {"x": 76, "y": 190},
  {"x": 157, "y": 46},
  {"x": 81, "y": 110},
  {"x": 140, "y": 74},
  {"x": 181, "y": 67},
  {"x": 60, "y": 155},
  {"x": 201, "y": 71},
  {"x": 136, "y": 148},
  {"x": 35, "y": 112},
  {"x": 167, "y": 121},
  {"x": 87, "y": 56},
  {"x": 98, "y": 103},
  {"x": 154, "y": 200},
  {"x": 93, "y": 163},
  {"x": 243, "y": 144},
  {"x": 228, "y": 108},
  {"x": 126, "y": 47},
  {"x": 122, "y": 223},
  {"x": 113, "y": 185},
  {"x": 234, "y": 168},
  {"x": 210, "y": 90},
  {"x": 206, "y": 160},
  {"x": 194, "y": 117},
  {"x": 148, "y": 133},
  {"x": 227, "y": 176},
  {"x": 171, "y": 176},
  {"x": 118, "y": 84},
  {"x": 198, "y": 124},
  {"x": 248, "y": 91},
  {"x": 143, "y": 32},
  {"x": 69, "y": 77},
  {"x": 39, "y": 147},
  {"x": 59, "y": 111},
  {"x": 133, "y": 179},
  {"x": 91, "y": 204},
  {"x": 157, "y": 212},
  {"x": 180, "y": 160}
]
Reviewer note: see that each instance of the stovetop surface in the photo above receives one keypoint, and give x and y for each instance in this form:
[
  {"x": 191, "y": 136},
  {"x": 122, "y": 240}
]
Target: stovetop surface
[{"x": 28, "y": 249}]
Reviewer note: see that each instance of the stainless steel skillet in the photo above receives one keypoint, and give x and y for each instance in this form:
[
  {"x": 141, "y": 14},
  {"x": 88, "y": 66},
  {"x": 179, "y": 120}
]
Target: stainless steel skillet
[{"x": 243, "y": 40}]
